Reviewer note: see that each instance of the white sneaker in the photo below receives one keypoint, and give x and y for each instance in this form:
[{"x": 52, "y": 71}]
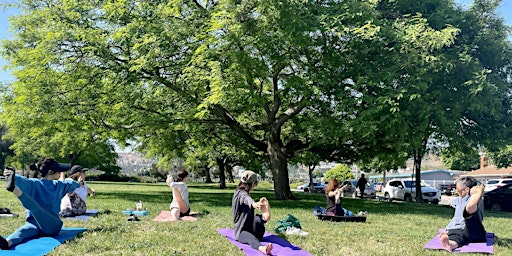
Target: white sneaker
[
  {"x": 361, "y": 213},
  {"x": 296, "y": 231}
]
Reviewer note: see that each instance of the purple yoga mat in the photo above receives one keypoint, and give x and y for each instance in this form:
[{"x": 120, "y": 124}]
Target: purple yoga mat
[
  {"x": 487, "y": 247},
  {"x": 280, "y": 246}
]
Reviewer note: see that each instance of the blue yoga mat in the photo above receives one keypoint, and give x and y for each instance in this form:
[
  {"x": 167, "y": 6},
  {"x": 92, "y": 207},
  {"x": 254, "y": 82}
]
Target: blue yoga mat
[{"x": 43, "y": 245}]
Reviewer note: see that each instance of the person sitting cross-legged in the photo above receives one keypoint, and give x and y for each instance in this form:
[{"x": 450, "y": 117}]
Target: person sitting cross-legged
[{"x": 466, "y": 225}]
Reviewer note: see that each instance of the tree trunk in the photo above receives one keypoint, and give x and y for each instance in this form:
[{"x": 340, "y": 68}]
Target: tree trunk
[
  {"x": 417, "y": 171},
  {"x": 279, "y": 167},
  {"x": 229, "y": 173},
  {"x": 207, "y": 173},
  {"x": 311, "y": 168},
  {"x": 221, "y": 162}
]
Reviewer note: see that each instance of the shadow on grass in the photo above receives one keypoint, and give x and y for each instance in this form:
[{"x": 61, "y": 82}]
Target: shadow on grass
[
  {"x": 210, "y": 194},
  {"x": 504, "y": 242}
]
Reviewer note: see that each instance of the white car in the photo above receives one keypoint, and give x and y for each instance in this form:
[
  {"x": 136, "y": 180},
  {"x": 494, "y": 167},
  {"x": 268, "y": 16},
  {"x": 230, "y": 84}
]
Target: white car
[
  {"x": 405, "y": 190},
  {"x": 493, "y": 184}
]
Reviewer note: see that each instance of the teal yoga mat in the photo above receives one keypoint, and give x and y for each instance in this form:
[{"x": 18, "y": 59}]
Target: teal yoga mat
[{"x": 43, "y": 245}]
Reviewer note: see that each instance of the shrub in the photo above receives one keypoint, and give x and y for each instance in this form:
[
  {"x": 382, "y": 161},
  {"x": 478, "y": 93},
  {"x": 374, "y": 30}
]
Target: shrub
[{"x": 340, "y": 172}]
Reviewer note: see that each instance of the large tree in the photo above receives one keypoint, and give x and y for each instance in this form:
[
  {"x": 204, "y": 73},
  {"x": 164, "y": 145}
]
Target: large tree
[
  {"x": 457, "y": 95},
  {"x": 282, "y": 76},
  {"x": 268, "y": 70}
]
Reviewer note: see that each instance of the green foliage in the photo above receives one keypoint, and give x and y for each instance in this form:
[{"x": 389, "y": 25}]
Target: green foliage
[
  {"x": 458, "y": 160},
  {"x": 502, "y": 158},
  {"x": 256, "y": 83},
  {"x": 340, "y": 172},
  {"x": 5, "y": 152},
  {"x": 318, "y": 174}
]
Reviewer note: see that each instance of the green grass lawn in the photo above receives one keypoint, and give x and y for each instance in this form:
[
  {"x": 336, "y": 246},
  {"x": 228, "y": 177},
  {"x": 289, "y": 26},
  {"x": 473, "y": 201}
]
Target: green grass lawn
[{"x": 391, "y": 228}]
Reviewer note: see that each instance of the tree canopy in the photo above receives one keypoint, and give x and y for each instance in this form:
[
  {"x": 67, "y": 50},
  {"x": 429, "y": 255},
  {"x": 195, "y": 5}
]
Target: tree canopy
[{"x": 344, "y": 80}]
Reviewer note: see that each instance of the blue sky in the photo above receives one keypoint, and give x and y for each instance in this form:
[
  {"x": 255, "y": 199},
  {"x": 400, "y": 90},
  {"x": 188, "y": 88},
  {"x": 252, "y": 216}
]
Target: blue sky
[{"x": 505, "y": 11}]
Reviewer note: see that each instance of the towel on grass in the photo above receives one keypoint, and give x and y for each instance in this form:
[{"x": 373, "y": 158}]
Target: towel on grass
[
  {"x": 165, "y": 216},
  {"x": 88, "y": 213},
  {"x": 43, "y": 245},
  {"x": 486, "y": 247},
  {"x": 280, "y": 246}
]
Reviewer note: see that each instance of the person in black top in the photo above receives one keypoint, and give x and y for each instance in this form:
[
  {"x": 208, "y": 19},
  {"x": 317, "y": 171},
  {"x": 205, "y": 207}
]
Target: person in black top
[
  {"x": 361, "y": 184},
  {"x": 333, "y": 193}
]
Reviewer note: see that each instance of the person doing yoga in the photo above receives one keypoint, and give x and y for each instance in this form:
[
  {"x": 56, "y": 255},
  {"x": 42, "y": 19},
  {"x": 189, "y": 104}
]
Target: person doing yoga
[
  {"x": 249, "y": 228},
  {"x": 41, "y": 198},
  {"x": 180, "y": 205},
  {"x": 466, "y": 225}
]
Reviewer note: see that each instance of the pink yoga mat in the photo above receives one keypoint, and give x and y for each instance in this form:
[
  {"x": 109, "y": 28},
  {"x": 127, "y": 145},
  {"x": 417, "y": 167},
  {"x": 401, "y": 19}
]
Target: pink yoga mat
[
  {"x": 165, "y": 216},
  {"x": 280, "y": 246},
  {"x": 487, "y": 247}
]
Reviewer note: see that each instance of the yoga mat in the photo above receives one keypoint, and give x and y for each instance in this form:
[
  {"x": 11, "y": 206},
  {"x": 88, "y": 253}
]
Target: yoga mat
[
  {"x": 165, "y": 216},
  {"x": 84, "y": 217},
  {"x": 280, "y": 246},
  {"x": 487, "y": 247},
  {"x": 43, "y": 245}
]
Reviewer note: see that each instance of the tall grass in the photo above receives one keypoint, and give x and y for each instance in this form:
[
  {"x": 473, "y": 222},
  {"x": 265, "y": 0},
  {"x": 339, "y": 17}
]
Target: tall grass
[{"x": 391, "y": 228}]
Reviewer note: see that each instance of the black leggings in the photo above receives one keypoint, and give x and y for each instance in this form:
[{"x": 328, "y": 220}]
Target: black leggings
[
  {"x": 253, "y": 237},
  {"x": 474, "y": 232}
]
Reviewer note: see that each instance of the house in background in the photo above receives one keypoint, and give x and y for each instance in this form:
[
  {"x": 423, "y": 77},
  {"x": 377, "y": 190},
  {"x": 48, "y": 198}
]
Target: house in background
[
  {"x": 432, "y": 177},
  {"x": 490, "y": 172}
]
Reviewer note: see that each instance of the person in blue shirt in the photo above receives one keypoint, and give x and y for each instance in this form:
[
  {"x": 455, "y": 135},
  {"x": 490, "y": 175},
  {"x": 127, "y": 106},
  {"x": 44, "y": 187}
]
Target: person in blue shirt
[
  {"x": 41, "y": 198},
  {"x": 466, "y": 225}
]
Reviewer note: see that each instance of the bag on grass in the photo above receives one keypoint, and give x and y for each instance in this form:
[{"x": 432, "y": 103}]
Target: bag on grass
[
  {"x": 5, "y": 211},
  {"x": 288, "y": 221}
]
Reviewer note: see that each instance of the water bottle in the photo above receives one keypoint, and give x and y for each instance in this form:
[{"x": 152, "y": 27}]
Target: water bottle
[{"x": 138, "y": 206}]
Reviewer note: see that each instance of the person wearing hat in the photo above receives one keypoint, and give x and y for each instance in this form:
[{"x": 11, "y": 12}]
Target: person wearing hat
[
  {"x": 41, "y": 198},
  {"x": 250, "y": 228},
  {"x": 74, "y": 203}
]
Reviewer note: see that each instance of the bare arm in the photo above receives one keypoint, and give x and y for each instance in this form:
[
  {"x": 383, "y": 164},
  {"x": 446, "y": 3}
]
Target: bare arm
[
  {"x": 90, "y": 191},
  {"x": 476, "y": 193}
]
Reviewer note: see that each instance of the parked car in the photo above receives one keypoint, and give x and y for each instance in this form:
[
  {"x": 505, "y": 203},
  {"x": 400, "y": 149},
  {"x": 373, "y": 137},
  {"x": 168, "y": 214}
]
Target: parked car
[
  {"x": 377, "y": 186},
  {"x": 499, "y": 199},
  {"x": 405, "y": 190},
  {"x": 448, "y": 189},
  {"x": 317, "y": 187},
  {"x": 353, "y": 191},
  {"x": 496, "y": 183}
]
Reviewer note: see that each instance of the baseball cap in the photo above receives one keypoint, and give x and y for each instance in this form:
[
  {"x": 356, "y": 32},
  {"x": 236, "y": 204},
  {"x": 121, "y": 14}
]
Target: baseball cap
[
  {"x": 248, "y": 177},
  {"x": 50, "y": 164},
  {"x": 77, "y": 168}
]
